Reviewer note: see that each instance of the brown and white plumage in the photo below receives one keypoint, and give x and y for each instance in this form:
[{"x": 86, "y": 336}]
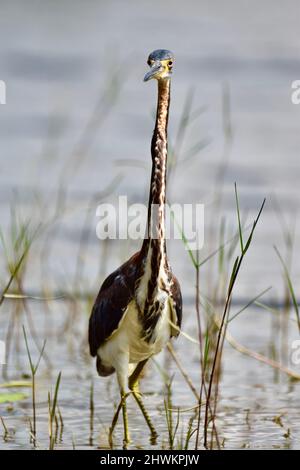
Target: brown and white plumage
[
  {"x": 138, "y": 305},
  {"x": 117, "y": 292}
]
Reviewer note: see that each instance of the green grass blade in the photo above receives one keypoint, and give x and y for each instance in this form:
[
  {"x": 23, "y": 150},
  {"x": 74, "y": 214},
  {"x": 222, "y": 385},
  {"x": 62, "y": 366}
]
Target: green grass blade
[
  {"x": 239, "y": 218},
  {"x": 290, "y": 286},
  {"x": 252, "y": 301},
  {"x": 28, "y": 352},
  {"x": 55, "y": 395}
]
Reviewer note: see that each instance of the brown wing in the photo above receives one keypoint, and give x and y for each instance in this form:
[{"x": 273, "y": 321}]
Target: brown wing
[
  {"x": 115, "y": 294},
  {"x": 177, "y": 300}
]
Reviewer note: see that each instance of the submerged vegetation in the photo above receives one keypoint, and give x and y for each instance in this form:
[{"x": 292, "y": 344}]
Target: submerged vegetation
[{"x": 35, "y": 324}]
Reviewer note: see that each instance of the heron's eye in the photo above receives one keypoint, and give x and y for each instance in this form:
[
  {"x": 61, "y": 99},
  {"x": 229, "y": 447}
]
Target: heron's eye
[
  {"x": 170, "y": 63},
  {"x": 149, "y": 62}
]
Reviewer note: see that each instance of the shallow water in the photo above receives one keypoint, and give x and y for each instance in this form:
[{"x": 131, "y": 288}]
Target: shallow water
[
  {"x": 57, "y": 66},
  {"x": 251, "y": 394}
]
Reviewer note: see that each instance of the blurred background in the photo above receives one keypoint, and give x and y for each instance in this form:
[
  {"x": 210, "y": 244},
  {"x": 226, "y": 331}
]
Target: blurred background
[{"x": 76, "y": 132}]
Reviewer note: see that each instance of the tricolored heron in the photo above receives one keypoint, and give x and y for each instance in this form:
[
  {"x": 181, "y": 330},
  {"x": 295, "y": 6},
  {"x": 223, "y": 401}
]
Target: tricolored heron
[{"x": 139, "y": 306}]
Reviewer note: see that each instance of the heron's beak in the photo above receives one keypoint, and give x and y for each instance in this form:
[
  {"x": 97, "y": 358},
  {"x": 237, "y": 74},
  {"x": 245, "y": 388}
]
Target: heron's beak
[{"x": 156, "y": 68}]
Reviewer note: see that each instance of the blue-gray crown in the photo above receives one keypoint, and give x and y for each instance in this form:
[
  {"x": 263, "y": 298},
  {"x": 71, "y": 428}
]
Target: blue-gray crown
[{"x": 161, "y": 54}]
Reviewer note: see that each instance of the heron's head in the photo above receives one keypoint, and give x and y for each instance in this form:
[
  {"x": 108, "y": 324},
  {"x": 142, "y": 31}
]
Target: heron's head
[{"x": 161, "y": 64}]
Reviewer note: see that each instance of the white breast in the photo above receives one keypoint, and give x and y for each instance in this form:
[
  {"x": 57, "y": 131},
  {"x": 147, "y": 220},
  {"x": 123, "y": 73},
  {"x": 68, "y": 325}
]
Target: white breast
[{"x": 126, "y": 343}]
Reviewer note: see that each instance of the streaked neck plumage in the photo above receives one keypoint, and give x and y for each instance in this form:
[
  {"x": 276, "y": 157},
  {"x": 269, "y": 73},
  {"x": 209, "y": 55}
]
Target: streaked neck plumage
[
  {"x": 159, "y": 151},
  {"x": 155, "y": 271}
]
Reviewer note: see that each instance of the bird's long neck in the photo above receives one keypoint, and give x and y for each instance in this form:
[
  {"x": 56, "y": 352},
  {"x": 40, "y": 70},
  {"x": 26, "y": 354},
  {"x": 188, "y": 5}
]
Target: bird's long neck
[
  {"x": 154, "y": 247},
  {"x": 159, "y": 149}
]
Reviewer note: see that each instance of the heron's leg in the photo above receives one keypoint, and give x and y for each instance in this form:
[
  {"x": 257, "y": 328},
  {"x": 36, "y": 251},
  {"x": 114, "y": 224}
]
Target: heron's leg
[
  {"x": 126, "y": 439},
  {"x": 133, "y": 379},
  {"x": 113, "y": 424},
  {"x": 133, "y": 384},
  {"x": 122, "y": 405},
  {"x": 141, "y": 405},
  {"x": 122, "y": 378}
]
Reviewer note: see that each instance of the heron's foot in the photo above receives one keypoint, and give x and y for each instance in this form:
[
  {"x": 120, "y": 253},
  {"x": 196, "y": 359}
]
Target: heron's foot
[
  {"x": 125, "y": 444},
  {"x": 153, "y": 438}
]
